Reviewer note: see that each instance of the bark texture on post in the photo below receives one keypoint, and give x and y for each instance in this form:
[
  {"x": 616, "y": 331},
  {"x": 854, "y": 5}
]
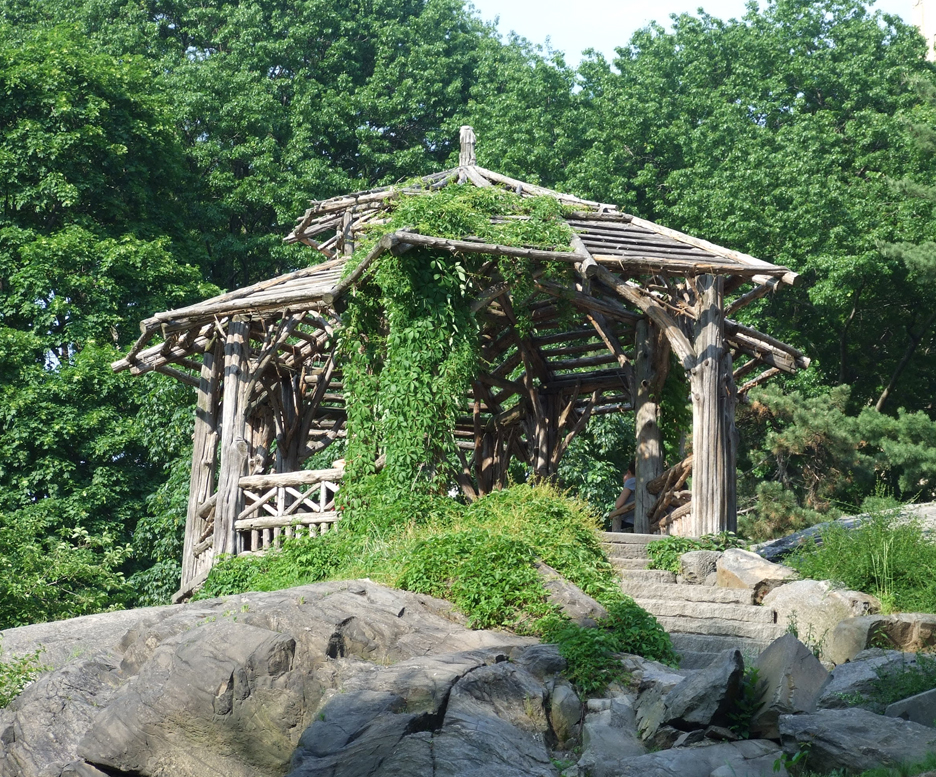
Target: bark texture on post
[
  {"x": 233, "y": 428},
  {"x": 204, "y": 459},
  {"x": 714, "y": 506},
  {"x": 652, "y": 356}
]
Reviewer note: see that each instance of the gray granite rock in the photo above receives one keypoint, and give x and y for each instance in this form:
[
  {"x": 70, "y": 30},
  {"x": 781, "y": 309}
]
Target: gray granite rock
[
  {"x": 855, "y": 740},
  {"x": 696, "y": 565},
  {"x": 707, "y": 696},
  {"x": 920, "y": 708},
  {"x": 792, "y": 679}
]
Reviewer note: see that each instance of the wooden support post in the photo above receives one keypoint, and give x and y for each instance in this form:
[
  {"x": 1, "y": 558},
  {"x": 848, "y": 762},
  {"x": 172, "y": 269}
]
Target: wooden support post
[
  {"x": 233, "y": 427},
  {"x": 652, "y": 354},
  {"x": 204, "y": 458},
  {"x": 714, "y": 444}
]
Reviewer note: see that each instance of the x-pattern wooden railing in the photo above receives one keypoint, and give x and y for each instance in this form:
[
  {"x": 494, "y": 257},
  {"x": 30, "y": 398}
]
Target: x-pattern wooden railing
[{"x": 286, "y": 504}]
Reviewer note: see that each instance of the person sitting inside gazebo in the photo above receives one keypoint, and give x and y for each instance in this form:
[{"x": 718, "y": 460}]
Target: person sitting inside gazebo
[{"x": 622, "y": 516}]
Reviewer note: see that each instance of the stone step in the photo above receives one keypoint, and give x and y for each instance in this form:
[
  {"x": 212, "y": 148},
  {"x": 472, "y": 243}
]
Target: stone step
[
  {"x": 699, "y": 650},
  {"x": 629, "y": 563},
  {"x": 747, "y": 613},
  {"x": 641, "y": 589},
  {"x": 719, "y": 627},
  {"x": 624, "y": 550},
  {"x": 627, "y": 538},
  {"x": 631, "y": 576}
]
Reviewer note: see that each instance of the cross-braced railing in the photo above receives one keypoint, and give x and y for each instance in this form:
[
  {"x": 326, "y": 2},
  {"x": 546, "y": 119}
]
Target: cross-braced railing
[{"x": 285, "y": 504}]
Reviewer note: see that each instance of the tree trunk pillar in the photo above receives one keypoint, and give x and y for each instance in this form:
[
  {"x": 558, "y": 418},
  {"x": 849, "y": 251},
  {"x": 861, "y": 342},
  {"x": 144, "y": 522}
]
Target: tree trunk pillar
[
  {"x": 204, "y": 458},
  {"x": 714, "y": 438},
  {"x": 652, "y": 356},
  {"x": 233, "y": 437}
]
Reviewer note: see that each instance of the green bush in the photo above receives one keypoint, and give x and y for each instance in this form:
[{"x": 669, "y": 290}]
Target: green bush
[
  {"x": 16, "y": 673},
  {"x": 482, "y": 558},
  {"x": 889, "y": 555},
  {"x": 665, "y": 553}
]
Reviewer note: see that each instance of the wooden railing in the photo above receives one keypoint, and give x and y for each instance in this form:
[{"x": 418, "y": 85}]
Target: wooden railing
[{"x": 286, "y": 504}]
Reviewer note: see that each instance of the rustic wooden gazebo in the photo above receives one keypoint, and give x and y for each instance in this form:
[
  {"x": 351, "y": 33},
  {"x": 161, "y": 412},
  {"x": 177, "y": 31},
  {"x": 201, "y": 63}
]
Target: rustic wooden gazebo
[{"x": 270, "y": 392}]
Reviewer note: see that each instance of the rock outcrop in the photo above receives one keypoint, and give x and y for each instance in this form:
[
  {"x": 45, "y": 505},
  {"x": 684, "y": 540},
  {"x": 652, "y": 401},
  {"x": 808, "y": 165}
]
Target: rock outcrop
[{"x": 352, "y": 679}]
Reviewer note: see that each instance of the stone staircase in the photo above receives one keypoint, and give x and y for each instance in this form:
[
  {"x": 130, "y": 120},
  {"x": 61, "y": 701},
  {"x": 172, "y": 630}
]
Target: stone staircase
[{"x": 702, "y": 620}]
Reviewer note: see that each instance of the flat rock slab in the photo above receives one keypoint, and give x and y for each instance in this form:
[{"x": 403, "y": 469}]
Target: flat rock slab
[
  {"x": 750, "y": 758},
  {"x": 857, "y": 678},
  {"x": 855, "y": 739},
  {"x": 228, "y": 686},
  {"x": 920, "y": 708}
]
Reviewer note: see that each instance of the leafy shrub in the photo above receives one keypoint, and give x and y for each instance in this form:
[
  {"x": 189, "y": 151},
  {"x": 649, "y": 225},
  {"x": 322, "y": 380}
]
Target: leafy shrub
[
  {"x": 16, "y": 673},
  {"x": 592, "y": 653},
  {"x": 748, "y": 702},
  {"x": 889, "y": 555},
  {"x": 665, "y": 553},
  {"x": 481, "y": 557}
]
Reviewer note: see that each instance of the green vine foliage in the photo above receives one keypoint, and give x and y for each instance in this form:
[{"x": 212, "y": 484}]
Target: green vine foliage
[
  {"x": 665, "y": 553},
  {"x": 409, "y": 344}
]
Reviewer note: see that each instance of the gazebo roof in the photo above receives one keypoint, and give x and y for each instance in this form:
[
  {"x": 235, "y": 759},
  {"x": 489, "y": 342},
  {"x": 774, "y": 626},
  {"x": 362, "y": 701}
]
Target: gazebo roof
[{"x": 606, "y": 241}]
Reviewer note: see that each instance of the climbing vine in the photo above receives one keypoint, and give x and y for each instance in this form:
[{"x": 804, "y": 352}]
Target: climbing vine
[{"x": 409, "y": 343}]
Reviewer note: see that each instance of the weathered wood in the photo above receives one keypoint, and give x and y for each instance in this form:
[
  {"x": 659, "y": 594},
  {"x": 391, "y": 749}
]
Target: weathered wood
[
  {"x": 589, "y": 303},
  {"x": 714, "y": 441},
  {"x": 763, "y": 377},
  {"x": 652, "y": 352},
  {"x": 679, "y": 342},
  {"x": 754, "y": 294},
  {"x": 474, "y": 247},
  {"x": 788, "y": 277},
  {"x": 466, "y": 141},
  {"x": 204, "y": 457},
  {"x": 233, "y": 426},
  {"x": 302, "y": 477},
  {"x": 278, "y": 522},
  {"x": 675, "y": 474}
]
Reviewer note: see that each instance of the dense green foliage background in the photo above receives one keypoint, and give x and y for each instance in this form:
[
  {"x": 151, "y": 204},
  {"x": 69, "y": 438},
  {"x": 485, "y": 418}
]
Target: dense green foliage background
[{"x": 152, "y": 152}]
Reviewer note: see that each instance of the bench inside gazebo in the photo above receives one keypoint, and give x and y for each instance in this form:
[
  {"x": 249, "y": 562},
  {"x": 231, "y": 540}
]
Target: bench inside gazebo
[{"x": 270, "y": 393}]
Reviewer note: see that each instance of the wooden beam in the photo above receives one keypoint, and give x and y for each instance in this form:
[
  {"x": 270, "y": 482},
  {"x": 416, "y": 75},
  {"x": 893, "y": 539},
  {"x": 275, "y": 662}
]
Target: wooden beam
[{"x": 679, "y": 342}]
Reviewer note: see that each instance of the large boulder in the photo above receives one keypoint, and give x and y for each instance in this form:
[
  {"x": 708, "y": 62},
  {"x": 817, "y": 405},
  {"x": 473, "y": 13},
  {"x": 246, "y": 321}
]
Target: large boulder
[
  {"x": 228, "y": 686},
  {"x": 741, "y": 569},
  {"x": 696, "y": 565},
  {"x": 707, "y": 696},
  {"x": 813, "y": 608},
  {"x": 853, "y": 684},
  {"x": 791, "y": 677},
  {"x": 751, "y": 758},
  {"x": 609, "y": 735},
  {"x": 855, "y": 740},
  {"x": 575, "y": 604},
  {"x": 920, "y": 708},
  {"x": 911, "y": 632}
]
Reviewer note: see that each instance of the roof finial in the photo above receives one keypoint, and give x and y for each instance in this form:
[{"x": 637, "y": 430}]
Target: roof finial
[{"x": 467, "y": 154}]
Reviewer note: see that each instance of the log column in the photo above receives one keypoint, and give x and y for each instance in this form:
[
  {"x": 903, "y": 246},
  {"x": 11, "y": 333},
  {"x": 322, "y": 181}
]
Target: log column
[
  {"x": 714, "y": 444},
  {"x": 652, "y": 354},
  {"x": 233, "y": 434},
  {"x": 204, "y": 457}
]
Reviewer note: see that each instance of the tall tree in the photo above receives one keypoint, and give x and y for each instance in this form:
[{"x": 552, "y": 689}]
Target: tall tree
[
  {"x": 90, "y": 167},
  {"x": 776, "y": 135}
]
